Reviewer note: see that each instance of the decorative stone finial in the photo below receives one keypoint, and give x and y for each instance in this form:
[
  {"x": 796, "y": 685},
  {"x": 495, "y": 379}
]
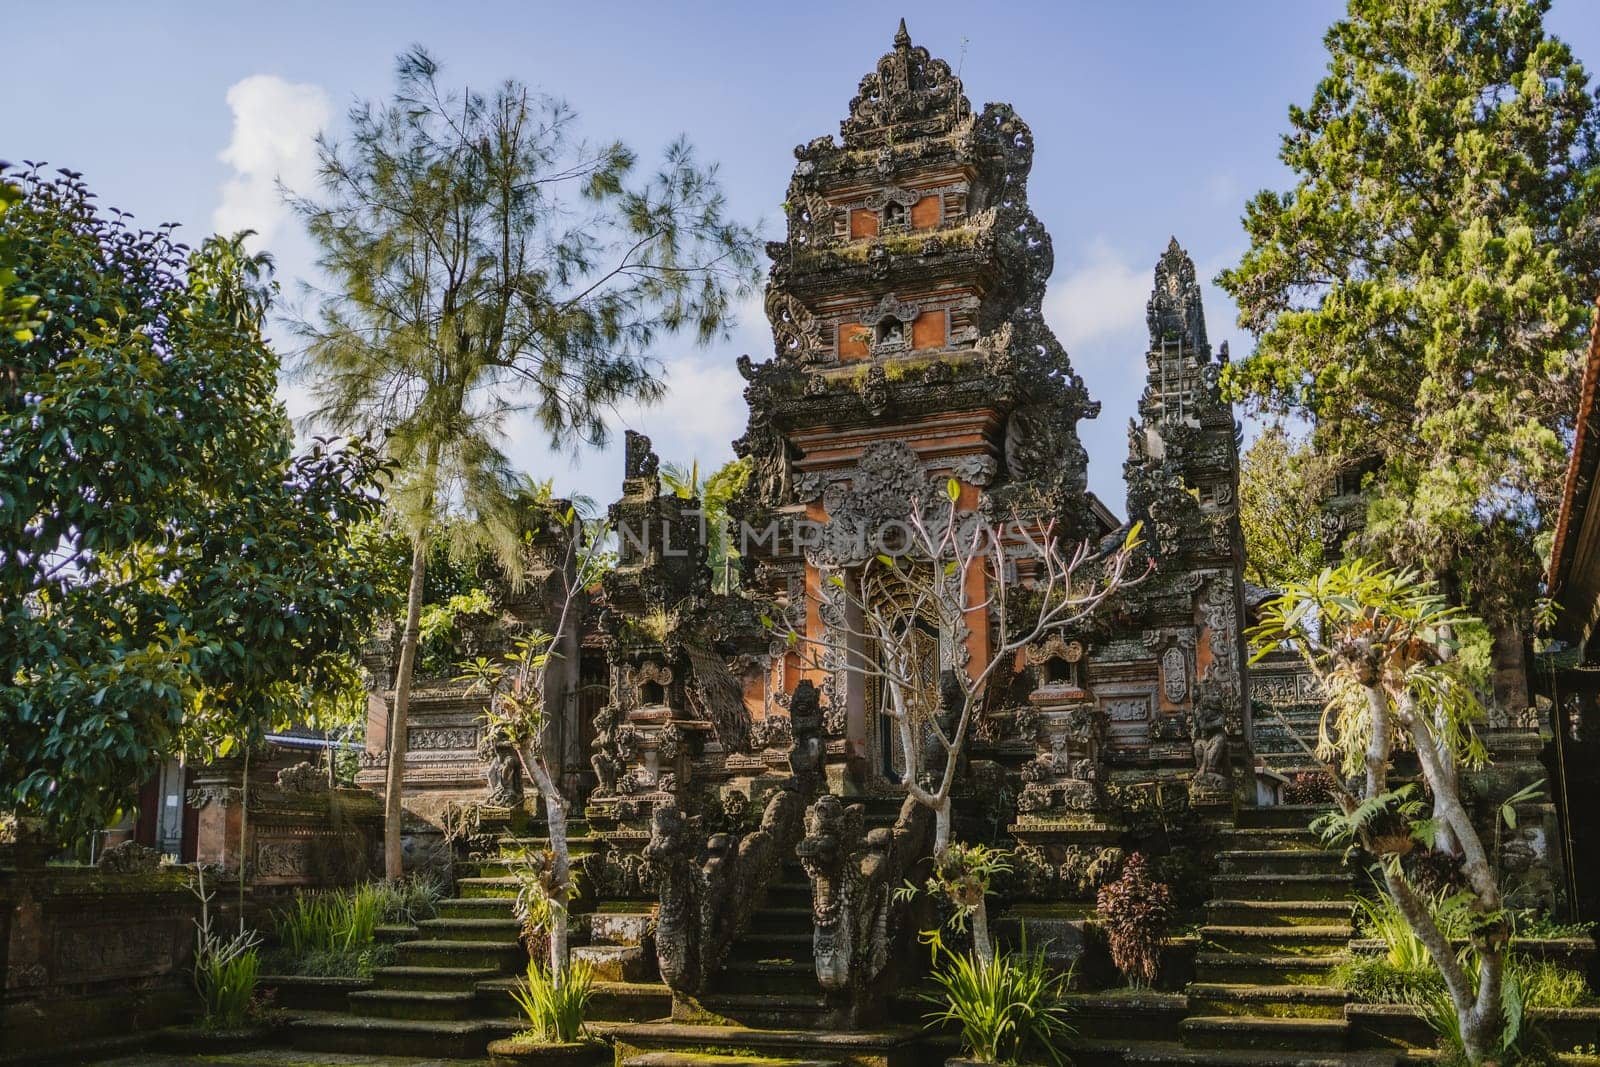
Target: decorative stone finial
[
  {"x": 908, "y": 92},
  {"x": 1175, "y": 312}
]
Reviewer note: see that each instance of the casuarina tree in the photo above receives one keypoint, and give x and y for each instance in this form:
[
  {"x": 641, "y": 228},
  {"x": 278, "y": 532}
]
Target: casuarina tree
[
  {"x": 487, "y": 264},
  {"x": 1421, "y": 294}
]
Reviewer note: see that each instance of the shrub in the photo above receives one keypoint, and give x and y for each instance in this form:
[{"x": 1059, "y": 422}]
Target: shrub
[
  {"x": 1015, "y": 1006},
  {"x": 1135, "y": 911},
  {"x": 555, "y": 1012},
  {"x": 334, "y": 934}
]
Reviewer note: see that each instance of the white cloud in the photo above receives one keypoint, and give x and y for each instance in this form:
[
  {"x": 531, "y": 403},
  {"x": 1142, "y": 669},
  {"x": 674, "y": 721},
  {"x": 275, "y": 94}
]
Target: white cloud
[
  {"x": 1102, "y": 297},
  {"x": 275, "y": 123}
]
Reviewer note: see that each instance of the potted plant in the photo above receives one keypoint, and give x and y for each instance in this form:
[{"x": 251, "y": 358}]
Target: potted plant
[{"x": 554, "y": 1004}]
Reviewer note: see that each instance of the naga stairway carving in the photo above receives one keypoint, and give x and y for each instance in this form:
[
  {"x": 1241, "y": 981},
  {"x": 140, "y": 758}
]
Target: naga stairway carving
[
  {"x": 709, "y": 891},
  {"x": 854, "y": 873}
]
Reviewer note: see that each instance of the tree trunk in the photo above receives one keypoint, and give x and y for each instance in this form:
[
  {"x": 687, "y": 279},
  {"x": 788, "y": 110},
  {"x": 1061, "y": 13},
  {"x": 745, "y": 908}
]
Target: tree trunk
[
  {"x": 982, "y": 943},
  {"x": 393, "y": 812},
  {"x": 555, "y": 808},
  {"x": 941, "y": 824}
]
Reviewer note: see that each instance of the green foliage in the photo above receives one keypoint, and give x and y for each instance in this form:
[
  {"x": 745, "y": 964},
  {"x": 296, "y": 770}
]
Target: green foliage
[
  {"x": 1281, "y": 485},
  {"x": 1135, "y": 911},
  {"x": 1377, "y": 627},
  {"x": 555, "y": 1008},
  {"x": 333, "y": 934},
  {"x": 1012, "y": 1007},
  {"x": 1421, "y": 295},
  {"x": 714, "y": 493},
  {"x": 175, "y": 580},
  {"x": 226, "y": 972}
]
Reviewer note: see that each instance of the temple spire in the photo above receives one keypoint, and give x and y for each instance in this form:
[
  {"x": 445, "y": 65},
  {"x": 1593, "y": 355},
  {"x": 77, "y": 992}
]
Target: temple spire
[
  {"x": 902, "y": 39},
  {"x": 1174, "y": 313}
]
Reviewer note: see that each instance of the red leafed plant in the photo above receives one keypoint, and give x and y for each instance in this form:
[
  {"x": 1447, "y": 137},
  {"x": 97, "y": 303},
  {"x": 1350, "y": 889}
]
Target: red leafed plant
[{"x": 1135, "y": 912}]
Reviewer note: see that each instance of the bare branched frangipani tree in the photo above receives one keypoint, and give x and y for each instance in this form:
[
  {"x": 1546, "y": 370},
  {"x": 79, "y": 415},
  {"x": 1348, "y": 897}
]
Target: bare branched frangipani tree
[
  {"x": 516, "y": 715},
  {"x": 964, "y": 583}
]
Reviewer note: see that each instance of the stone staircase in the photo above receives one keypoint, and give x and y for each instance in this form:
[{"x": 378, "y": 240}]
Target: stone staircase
[
  {"x": 448, "y": 994},
  {"x": 1278, "y": 923}
]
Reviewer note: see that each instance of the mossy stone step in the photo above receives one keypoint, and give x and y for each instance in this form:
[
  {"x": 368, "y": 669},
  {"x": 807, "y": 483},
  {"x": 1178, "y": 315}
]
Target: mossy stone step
[
  {"x": 1266, "y": 970},
  {"x": 1170, "y": 1054},
  {"x": 706, "y": 1059},
  {"x": 414, "y": 1004},
  {"x": 1297, "y": 816},
  {"x": 1263, "y": 837},
  {"x": 1331, "y": 885},
  {"x": 777, "y": 1011},
  {"x": 774, "y": 975},
  {"x": 477, "y": 908},
  {"x": 1278, "y": 861},
  {"x": 891, "y": 1046},
  {"x": 1278, "y": 912},
  {"x": 496, "y": 930},
  {"x": 1281, "y": 1001},
  {"x": 394, "y": 933},
  {"x": 1277, "y": 940},
  {"x": 431, "y": 979},
  {"x": 1283, "y": 1036},
  {"x": 793, "y": 944},
  {"x": 369, "y": 1035},
  {"x": 609, "y": 1002},
  {"x": 478, "y": 888},
  {"x": 616, "y": 963},
  {"x": 782, "y": 920},
  {"x": 789, "y": 894},
  {"x": 620, "y": 928},
  {"x": 479, "y": 954}
]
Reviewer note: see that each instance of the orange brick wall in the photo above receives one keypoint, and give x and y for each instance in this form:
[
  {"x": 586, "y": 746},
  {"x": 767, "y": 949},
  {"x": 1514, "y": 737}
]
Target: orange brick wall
[
  {"x": 928, "y": 330},
  {"x": 927, "y": 213},
  {"x": 852, "y": 341},
  {"x": 863, "y": 223}
]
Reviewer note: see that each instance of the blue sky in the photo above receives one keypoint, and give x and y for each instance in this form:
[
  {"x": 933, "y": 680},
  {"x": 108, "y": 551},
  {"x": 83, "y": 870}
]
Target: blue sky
[{"x": 1150, "y": 119}]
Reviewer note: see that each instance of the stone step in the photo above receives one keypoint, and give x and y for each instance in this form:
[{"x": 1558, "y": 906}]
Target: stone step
[
  {"x": 616, "y": 963},
  {"x": 789, "y": 945},
  {"x": 1333, "y": 885},
  {"x": 707, "y": 1059},
  {"x": 609, "y": 1001},
  {"x": 477, "y": 908},
  {"x": 1265, "y": 837},
  {"x": 431, "y": 979},
  {"x": 1265, "y": 970},
  {"x": 414, "y": 1004},
  {"x": 1297, "y": 816},
  {"x": 1280, "y": 1001},
  {"x": 768, "y": 976},
  {"x": 393, "y": 933},
  {"x": 1278, "y": 861},
  {"x": 787, "y": 1011},
  {"x": 368, "y": 1035},
  {"x": 1277, "y": 940},
  {"x": 890, "y": 1046},
  {"x": 1283, "y": 1036},
  {"x": 620, "y": 927},
  {"x": 1278, "y": 912},
  {"x": 477, "y": 888},
  {"x": 479, "y": 954},
  {"x": 789, "y": 894},
  {"x": 781, "y": 920},
  {"x": 1170, "y": 1054},
  {"x": 492, "y": 930}
]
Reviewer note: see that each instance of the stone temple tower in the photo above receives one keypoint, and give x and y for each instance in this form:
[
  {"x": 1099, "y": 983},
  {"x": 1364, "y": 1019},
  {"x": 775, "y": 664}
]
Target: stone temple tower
[{"x": 909, "y": 347}]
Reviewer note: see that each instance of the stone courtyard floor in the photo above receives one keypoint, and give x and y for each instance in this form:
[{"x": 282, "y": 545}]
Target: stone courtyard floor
[{"x": 280, "y": 1057}]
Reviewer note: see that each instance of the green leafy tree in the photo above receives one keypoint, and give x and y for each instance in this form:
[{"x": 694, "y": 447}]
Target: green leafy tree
[
  {"x": 1421, "y": 294},
  {"x": 174, "y": 579},
  {"x": 1281, "y": 483},
  {"x": 1380, "y": 641},
  {"x": 488, "y": 264}
]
